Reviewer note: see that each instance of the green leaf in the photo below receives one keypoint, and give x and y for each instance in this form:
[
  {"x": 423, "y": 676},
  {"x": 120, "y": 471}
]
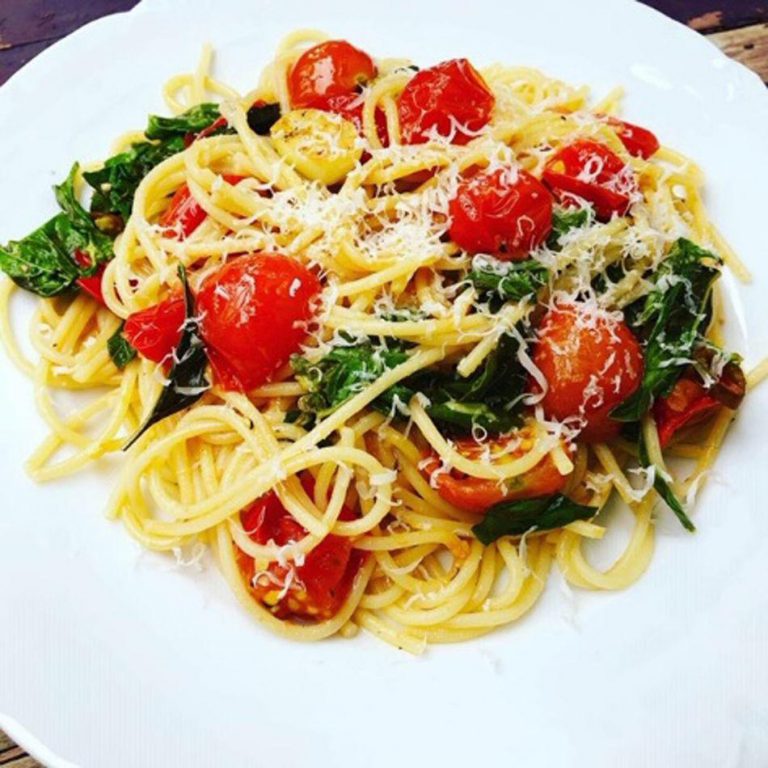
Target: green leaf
[
  {"x": 662, "y": 487},
  {"x": 508, "y": 281},
  {"x": 564, "y": 220},
  {"x": 344, "y": 372},
  {"x": 43, "y": 262},
  {"x": 261, "y": 117},
  {"x": 673, "y": 320},
  {"x": 515, "y": 518},
  {"x": 187, "y": 381},
  {"x": 193, "y": 120},
  {"x": 120, "y": 349}
]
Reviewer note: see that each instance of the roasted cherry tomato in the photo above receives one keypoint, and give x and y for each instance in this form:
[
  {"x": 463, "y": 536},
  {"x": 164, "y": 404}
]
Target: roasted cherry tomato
[
  {"x": 350, "y": 107},
  {"x": 475, "y": 494},
  {"x": 449, "y": 99},
  {"x": 590, "y": 171},
  {"x": 591, "y": 362},
  {"x": 690, "y": 402},
  {"x": 155, "y": 332},
  {"x": 640, "y": 142},
  {"x": 326, "y": 70},
  {"x": 317, "y": 588},
  {"x": 184, "y": 214},
  {"x": 506, "y": 212},
  {"x": 254, "y": 312},
  {"x": 91, "y": 285}
]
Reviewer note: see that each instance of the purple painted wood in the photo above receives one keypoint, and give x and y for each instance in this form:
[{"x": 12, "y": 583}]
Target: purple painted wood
[{"x": 713, "y": 15}]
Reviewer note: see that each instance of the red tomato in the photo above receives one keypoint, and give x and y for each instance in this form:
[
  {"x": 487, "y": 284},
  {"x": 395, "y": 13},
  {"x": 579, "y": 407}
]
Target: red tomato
[
  {"x": 506, "y": 212},
  {"x": 589, "y": 170},
  {"x": 317, "y": 588},
  {"x": 91, "y": 285},
  {"x": 184, "y": 214},
  {"x": 475, "y": 494},
  {"x": 254, "y": 311},
  {"x": 155, "y": 332},
  {"x": 350, "y": 107},
  {"x": 640, "y": 142},
  {"x": 326, "y": 70},
  {"x": 217, "y": 124},
  {"x": 591, "y": 363},
  {"x": 687, "y": 404},
  {"x": 449, "y": 99},
  {"x": 690, "y": 402}
]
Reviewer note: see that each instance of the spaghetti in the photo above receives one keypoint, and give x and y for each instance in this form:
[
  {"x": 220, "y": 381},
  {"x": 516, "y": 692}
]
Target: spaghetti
[{"x": 469, "y": 310}]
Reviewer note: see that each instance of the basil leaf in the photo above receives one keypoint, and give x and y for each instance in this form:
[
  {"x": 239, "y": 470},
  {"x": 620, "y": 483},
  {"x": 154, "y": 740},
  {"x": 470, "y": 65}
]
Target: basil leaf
[
  {"x": 116, "y": 182},
  {"x": 508, "y": 281},
  {"x": 673, "y": 319},
  {"x": 187, "y": 381},
  {"x": 193, "y": 120},
  {"x": 564, "y": 220},
  {"x": 344, "y": 372},
  {"x": 43, "y": 262},
  {"x": 261, "y": 117},
  {"x": 120, "y": 349},
  {"x": 663, "y": 488},
  {"x": 514, "y": 518}
]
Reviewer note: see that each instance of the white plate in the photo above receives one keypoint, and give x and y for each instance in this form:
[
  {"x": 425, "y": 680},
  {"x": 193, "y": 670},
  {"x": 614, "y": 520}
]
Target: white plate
[{"x": 111, "y": 658}]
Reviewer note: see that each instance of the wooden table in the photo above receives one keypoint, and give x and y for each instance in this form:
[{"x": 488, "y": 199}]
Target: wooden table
[{"x": 739, "y": 27}]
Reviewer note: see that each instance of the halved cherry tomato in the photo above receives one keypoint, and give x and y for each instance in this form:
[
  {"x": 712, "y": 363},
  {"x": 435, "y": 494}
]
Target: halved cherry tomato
[
  {"x": 329, "y": 69},
  {"x": 317, "y": 588},
  {"x": 184, "y": 214},
  {"x": 92, "y": 284},
  {"x": 350, "y": 107},
  {"x": 640, "y": 142},
  {"x": 591, "y": 362},
  {"x": 506, "y": 212},
  {"x": 254, "y": 313},
  {"x": 449, "y": 99},
  {"x": 155, "y": 332},
  {"x": 475, "y": 494},
  {"x": 690, "y": 402},
  {"x": 590, "y": 171}
]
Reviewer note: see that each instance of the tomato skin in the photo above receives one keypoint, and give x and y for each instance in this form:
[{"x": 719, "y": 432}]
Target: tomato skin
[
  {"x": 474, "y": 494},
  {"x": 445, "y": 99},
  {"x": 590, "y": 170},
  {"x": 155, "y": 332},
  {"x": 252, "y": 311},
  {"x": 92, "y": 284},
  {"x": 350, "y": 107},
  {"x": 590, "y": 364},
  {"x": 687, "y": 404},
  {"x": 184, "y": 214},
  {"x": 329, "y": 69},
  {"x": 639, "y": 141},
  {"x": 324, "y": 579},
  {"x": 506, "y": 213}
]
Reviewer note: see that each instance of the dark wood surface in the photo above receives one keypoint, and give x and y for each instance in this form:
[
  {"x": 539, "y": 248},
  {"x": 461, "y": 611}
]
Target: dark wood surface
[{"x": 27, "y": 27}]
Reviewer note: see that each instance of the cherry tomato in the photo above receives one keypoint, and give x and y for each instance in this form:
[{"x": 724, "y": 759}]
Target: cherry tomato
[
  {"x": 449, "y": 99},
  {"x": 254, "y": 312},
  {"x": 506, "y": 212},
  {"x": 589, "y": 170},
  {"x": 92, "y": 284},
  {"x": 155, "y": 332},
  {"x": 475, "y": 494},
  {"x": 350, "y": 107},
  {"x": 591, "y": 362},
  {"x": 329, "y": 69},
  {"x": 640, "y": 142},
  {"x": 690, "y": 402},
  {"x": 317, "y": 588},
  {"x": 184, "y": 214}
]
